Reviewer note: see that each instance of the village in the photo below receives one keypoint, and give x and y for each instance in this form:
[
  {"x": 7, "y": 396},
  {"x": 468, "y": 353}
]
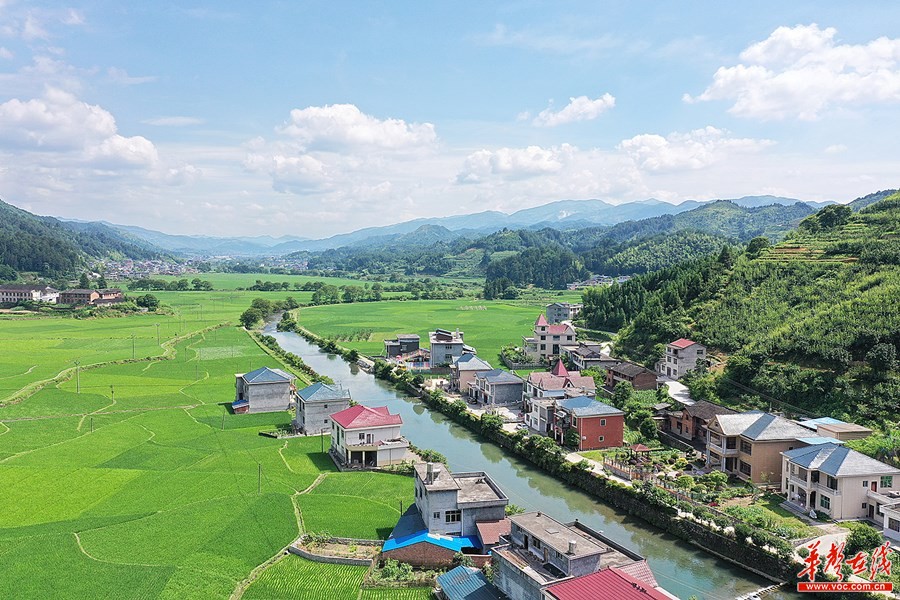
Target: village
[{"x": 463, "y": 522}]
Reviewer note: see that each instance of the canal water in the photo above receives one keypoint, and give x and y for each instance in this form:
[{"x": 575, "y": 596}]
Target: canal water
[{"x": 679, "y": 567}]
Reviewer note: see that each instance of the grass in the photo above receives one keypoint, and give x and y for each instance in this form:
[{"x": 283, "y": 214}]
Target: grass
[
  {"x": 487, "y": 325},
  {"x": 767, "y": 513},
  {"x": 137, "y": 482},
  {"x": 296, "y": 577}
]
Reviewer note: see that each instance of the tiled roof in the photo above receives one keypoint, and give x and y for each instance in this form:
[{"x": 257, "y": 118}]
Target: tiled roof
[
  {"x": 559, "y": 369},
  {"x": 838, "y": 461},
  {"x": 640, "y": 570},
  {"x": 560, "y": 329},
  {"x": 470, "y": 362},
  {"x": 26, "y": 288},
  {"x": 320, "y": 392},
  {"x": 360, "y": 417},
  {"x": 683, "y": 343},
  {"x": 608, "y": 584},
  {"x": 499, "y": 376},
  {"x": 467, "y": 583},
  {"x": 773, "y": 427},
  {"x": 814, "y": 423},
  {"x": 541, "y": 321},
  {"x": 267, "y": 375},
  {"x": 584, "y": 406},
  {"x": 629, "y": 369},
  {"x": 548, "y": 381},
  {"x": 736, "y": 424},
  {"x": 707, "y": 410},
  {"x": 490, "y": 531}
]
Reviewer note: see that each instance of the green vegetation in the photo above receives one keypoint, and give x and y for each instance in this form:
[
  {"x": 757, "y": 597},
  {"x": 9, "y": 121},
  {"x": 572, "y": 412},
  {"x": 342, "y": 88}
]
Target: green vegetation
[
  {"x": 487, "y": 325},
  {"x": 137, "y": 480},
  {"x": 295, "y": 577},
  {"x": 810, "y": 322}
]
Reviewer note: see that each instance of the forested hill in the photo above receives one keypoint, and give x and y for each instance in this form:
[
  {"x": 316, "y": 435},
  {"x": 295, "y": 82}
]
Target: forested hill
[
  {"x": 811, "y": 321},
  {"x": 53, "y": 247},
  {"x": 551, "y": 257}
]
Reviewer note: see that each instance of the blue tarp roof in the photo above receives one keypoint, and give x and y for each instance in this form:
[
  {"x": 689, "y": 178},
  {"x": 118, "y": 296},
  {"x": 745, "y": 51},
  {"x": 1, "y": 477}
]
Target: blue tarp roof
[
  {"x": 816, "y": 440},
  {"x": 451, "y": 543},
  {"x": 467, "y": 583},
  {"x": 814, "y": 423},
  {"x": 239, "y": 403}
]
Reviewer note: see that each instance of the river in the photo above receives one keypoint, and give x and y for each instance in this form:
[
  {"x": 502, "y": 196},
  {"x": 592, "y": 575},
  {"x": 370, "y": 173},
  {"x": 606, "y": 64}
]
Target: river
[{"x": 679, "y": 567}]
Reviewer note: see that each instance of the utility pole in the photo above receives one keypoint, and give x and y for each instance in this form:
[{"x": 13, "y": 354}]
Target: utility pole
[
  {"x": 92, "y": 424},
  {"x": 77, "y": 376},
  {"x": 112, "y": 391}
]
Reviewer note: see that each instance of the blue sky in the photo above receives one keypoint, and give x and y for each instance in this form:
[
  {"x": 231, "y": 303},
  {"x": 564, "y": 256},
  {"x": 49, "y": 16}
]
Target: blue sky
[{"x": 317, "y": 118}]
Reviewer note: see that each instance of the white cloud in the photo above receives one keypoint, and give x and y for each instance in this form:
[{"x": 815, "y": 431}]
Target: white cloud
[
  {"x": 693, "y": 150},
  {"x": 801, "y": 72},
  {"x": 173, "y": 121},
  {"x": 344, "y": 126},
  {"x": 58, "y": 121},
  {"x": 556, "y": 43},
  {"x": 581, "y": 108},
  {"x": 33, "y": 29},
  {"x": 6, "y": 53},
  {"x": 835, "y": 149},
  {"x": 513, "y": 163},
  {"x": 121, "y": 77}
]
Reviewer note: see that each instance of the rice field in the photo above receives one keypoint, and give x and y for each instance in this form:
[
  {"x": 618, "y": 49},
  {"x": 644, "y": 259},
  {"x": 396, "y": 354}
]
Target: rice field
[
  {"x": 135, "y": 481},
  {"x": 296, "y": 577},
  {"x": 487, "y": 328}
]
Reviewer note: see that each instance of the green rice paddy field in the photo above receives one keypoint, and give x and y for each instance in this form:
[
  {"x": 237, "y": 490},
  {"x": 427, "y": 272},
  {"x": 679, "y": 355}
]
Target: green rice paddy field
[
  {"x": 143, "y": 485},
  {"x": 487, "y": 325}
]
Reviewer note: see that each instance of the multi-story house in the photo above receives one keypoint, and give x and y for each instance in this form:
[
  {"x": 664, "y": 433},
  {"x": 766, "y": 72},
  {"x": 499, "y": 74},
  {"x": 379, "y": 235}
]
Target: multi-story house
[
  {"x": 542, "y": 388},
  {"x": 497, "y": 387},
  {"x": 404, "y": 343},
  {"x": 840, "y": 482},
  {"x": 596, "y": 424},
  {"x": 463, "y": 371},
  {"x": 749, "y": 445},
  {"x": 263, "y": 390},
  {"x": 639, "y": 377},
  {"x": 691, "y": 421},
  {"x": 363, "y": 436},
  {"x": 454, "y": 503},
  {"x": 447, "y": 346},
  {"x": 681, "y": 356},
  {"x": 79, "y": 296},
  {"x": 588, "y": 355},
  {"x": 12, "y": 294},
  {"x": 542, "y": 551},
  {"x": 562, "y": 311},
  {"x": 316, "y": 403},
  {"x": 548, "y": 340}
]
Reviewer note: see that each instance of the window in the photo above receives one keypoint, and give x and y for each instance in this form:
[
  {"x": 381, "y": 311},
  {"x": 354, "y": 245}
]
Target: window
[
  {"x": 831, "y": 483},
  {"x": 893, "y": 524},
  {"x": 730, "y": 443},
  {"x": 362, "y": 436},
  {"x": 865, "y": 484},
  {"x": 324, "y": 406},
  {"x": 825, "y": 502},
  {"x": 745, "y": 468},
  {"x": 865, "y": 505},
  {"x": 887, "y": 481},
  {"x": 543, "y": 346},
  {"x": 746, "y": 447},
  {"x": 326, "y": 421},
  {"x": 536, "y": 543},
  {"x": 437, "y": 515},
  {"x": 453, "y": 516},
  {"x": 600, "y": 439}
]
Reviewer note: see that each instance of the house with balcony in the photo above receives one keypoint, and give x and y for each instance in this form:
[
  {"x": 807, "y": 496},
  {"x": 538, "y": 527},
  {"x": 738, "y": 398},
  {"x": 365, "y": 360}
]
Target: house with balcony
[
  {"x": 638, "y": 376},
  {"x": 690, "y": 423},
  {"x": 681, "y": 356},
  {"x": 597, "y": 425},
  {"x": 13, "y": 294},
  {"x": 562, "y": 311},
  {"x": 548, "y": 340},
  {"x": 497, "y": 388},
  {"x": 463, "y": 371},
  {"x": 263, "y": 390},
  {"x": 543, "y": 388},
  {"x": 541, "y": 552},
  {"x": 447, "y": 346},
  {"x": 367, "y": 437},
  {"x": 586, "y": 355},
  {"x": 842, "y": 483},
  {"x": 749, "y": 444},
  {"x": 316, "y": 403},
  {"x": 404, "y": 343}
]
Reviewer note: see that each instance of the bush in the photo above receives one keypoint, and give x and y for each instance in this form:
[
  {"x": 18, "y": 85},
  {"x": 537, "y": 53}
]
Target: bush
[{"x": 863, "y": 538}]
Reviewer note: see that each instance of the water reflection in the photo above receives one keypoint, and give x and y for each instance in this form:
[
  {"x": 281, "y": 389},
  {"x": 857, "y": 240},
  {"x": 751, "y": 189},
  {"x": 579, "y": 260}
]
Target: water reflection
[{"x": 680, "y": 567}]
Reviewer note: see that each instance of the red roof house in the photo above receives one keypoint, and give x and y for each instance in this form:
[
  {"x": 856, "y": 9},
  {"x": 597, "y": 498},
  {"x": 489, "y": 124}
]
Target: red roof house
[
  {"x": 359, "y": 417},
  {"x": 608, "y": 584},
  {"x": 367, "y": 437}
]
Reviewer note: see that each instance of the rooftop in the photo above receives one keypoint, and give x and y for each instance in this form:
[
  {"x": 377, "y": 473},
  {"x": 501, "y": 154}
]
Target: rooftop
[
  {"x": 682, "y": 343},
  {"x": 556, "y": 535},
  {"x": 707, "y": 410},
  {"x": 814, "y": 423},
  {"x": 470, "y": 487},
  {"x": 267, "y": 375},
  {"x": 561, "y": 329},
  {"x": 630, "y": 369},
  {"x": 467, "y": 583},
  {"x": 471, "y": 362},
  {"x": 498, "y": 376},
  {"x": 490, "y": 531},
  {"x": 445, "y": 336},
  {"x": 362, "y": 417},
  {"x": 838, "y": 461},
  {"x": 608, "y": 584},
  {"x": 585, "y": 406},
  {"x": 320, "y": 392},
  {"x": 408, "y": 336}
]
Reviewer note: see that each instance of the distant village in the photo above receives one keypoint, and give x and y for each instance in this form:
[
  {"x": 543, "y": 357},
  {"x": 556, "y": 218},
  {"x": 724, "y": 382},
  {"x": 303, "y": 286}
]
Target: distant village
[
  {"x": 534, "y": 556},
  {"x": 15, "y": 294}
]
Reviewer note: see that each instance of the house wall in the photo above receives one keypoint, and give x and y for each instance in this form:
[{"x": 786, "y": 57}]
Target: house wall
[
  {"x": 590, "y": 430},
  {"x": 891, "y": 520},
  {"x": 313, "y": 417},
  {"x": 445, "y": 352},
  {"x": 422, "y": 554},
  {"x": 507, "y": 393},
  {"x": 266, "y": 397},
  {"x": 467, "y": 380},
  {"x": 513, "y": 582},
  {"x": 827, "y": 431},
  {"x": 641, "y": 381},
  {"x": 765, "y": 460},
  {"x": 851, "y": 500},
  {"x": 470, "y": 516},
  {"x": 439, "y": 501}
]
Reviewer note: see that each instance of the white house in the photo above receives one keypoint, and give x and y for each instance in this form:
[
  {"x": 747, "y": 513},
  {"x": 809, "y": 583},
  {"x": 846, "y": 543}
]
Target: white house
[
  {"x": 454, "y": 503},
  {"x": 681, "y": 356},
  {"x": 368, "y": 437},
  {"x": 12, "y": 294},
  {"x": 447, "y": 346}
]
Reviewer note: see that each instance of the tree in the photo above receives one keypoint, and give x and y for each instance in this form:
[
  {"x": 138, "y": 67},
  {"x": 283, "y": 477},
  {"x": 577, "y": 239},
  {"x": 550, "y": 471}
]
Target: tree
[
  {"x": 882, "y": 358},
  {"x": 757, "y": 245},
  {"x": 262, "y": 305},
  {"x": 573, "y": 438},
  {"x": 83, "y": 281},
  {"x": 834, "y": 215},
  {"x": 648, "y": 428},
  {"x": 863, "y": 538},
  {"x": 101, "y": 283},
  {"x": 622, "y": 394},
  {"x": 491, "y": 423},
  {"x": 148, "y": 301},
  {"x": 251, "y": 317}
]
